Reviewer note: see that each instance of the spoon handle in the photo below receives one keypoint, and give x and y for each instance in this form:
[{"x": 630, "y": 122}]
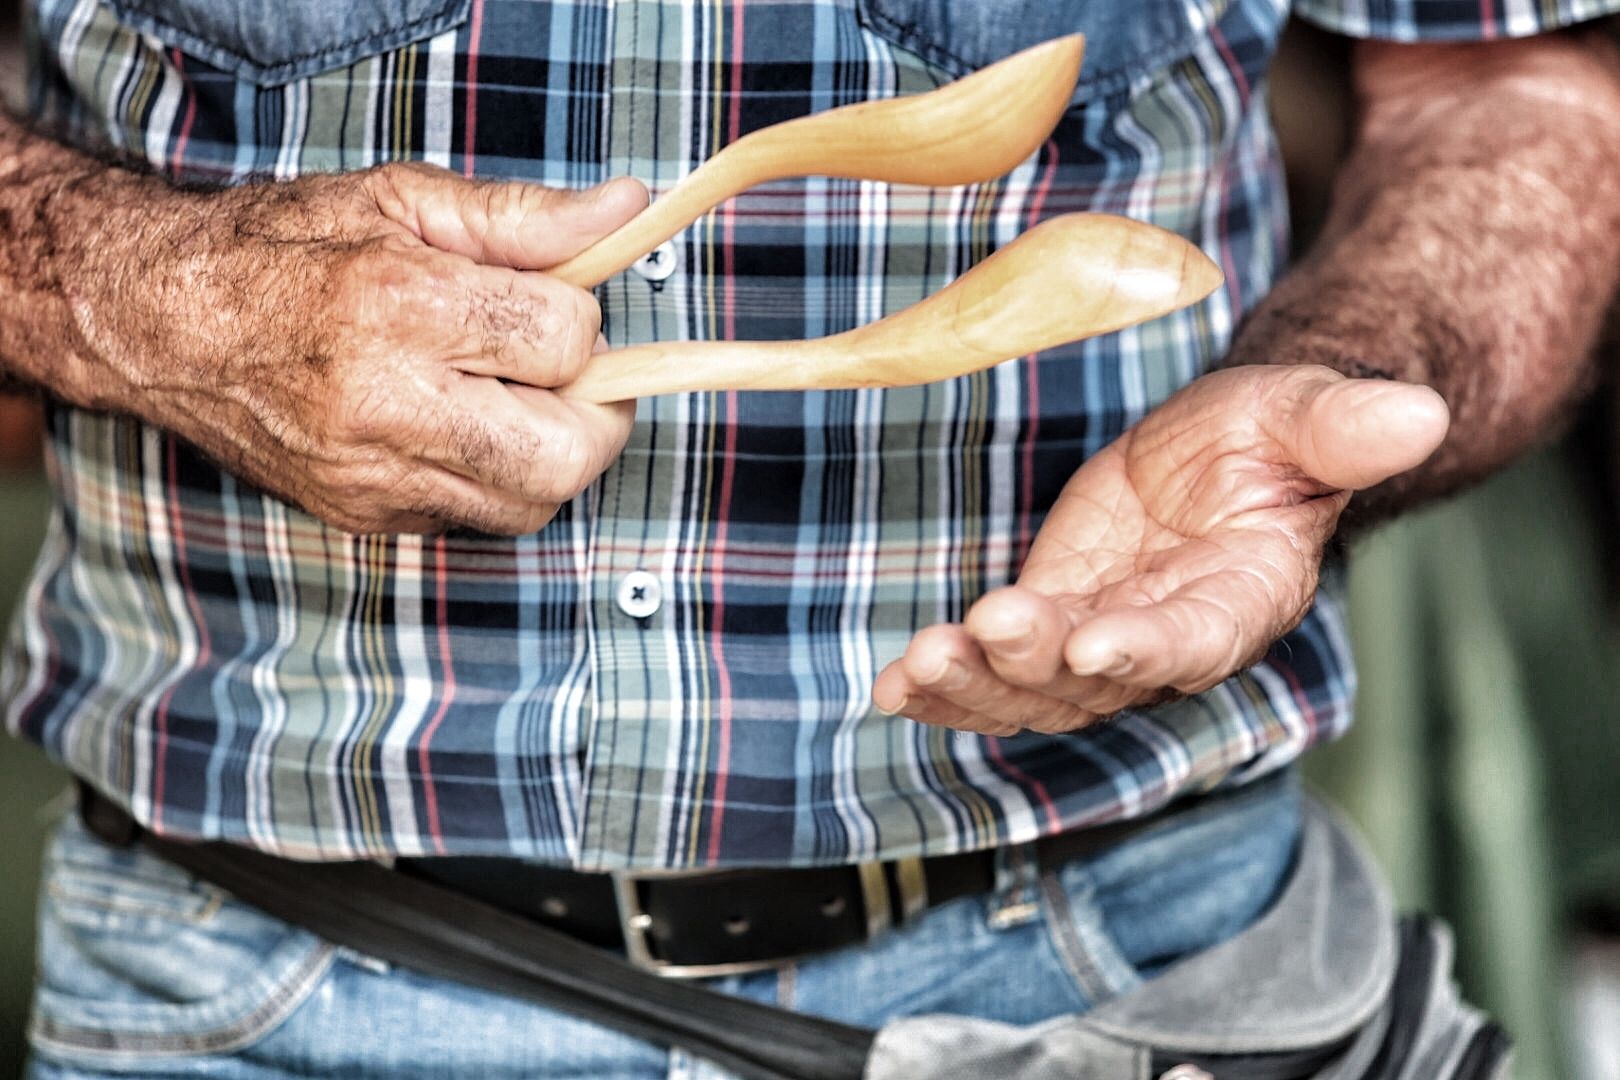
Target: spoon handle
[
  {"x": 705, "y": 187},
  {"x": 1068, "y": 278}
]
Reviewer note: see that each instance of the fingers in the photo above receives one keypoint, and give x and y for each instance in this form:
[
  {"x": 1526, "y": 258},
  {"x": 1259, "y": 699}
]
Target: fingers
[
  {"x": 526, "y": 443},
  {"x": 1021, "y": 633},
  {"x": 427, "y": 499},
  {"x": 526, "y": 328},
  {"x": 1355, "y": 433},
  {"x": 522, "y": 226},
  {"x": 944, "y": 679}
]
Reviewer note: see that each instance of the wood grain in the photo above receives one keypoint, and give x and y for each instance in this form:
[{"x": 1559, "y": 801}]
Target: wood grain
[
  {"x": 1069, "y": 278},
  {"x": 968, "y": 131}
]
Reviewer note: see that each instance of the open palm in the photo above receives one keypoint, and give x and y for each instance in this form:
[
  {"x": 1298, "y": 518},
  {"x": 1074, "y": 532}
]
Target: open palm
[{"x": 1175, "y": 557}]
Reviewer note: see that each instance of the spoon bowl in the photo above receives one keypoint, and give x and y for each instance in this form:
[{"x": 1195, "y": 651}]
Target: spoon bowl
[
  {"x": 1069, "y": 278},
  {"x": 968, "y": 131}
]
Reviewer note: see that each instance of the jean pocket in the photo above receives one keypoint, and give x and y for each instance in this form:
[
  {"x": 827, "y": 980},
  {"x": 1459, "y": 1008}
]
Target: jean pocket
[
  {"x": 1123, "y": 41},
  {"x": 141, "y": 963},
  {"x": 271, "y": 42},
  {"x": 1181, "y": 887}
]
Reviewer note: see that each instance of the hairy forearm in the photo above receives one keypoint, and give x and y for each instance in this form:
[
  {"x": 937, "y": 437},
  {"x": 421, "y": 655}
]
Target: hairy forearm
[
  {"x": 64, "y": 216},
  {"x": 1473, "y": 245}
]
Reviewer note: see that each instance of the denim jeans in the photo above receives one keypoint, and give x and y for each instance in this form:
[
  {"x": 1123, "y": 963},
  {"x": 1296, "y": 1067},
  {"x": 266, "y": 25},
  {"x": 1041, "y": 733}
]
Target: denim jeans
[{"x": 146, "y": 972}]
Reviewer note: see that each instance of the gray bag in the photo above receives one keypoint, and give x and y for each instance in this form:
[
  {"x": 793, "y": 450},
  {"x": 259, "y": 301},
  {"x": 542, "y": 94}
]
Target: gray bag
[{"x": 1327, "y": 985}]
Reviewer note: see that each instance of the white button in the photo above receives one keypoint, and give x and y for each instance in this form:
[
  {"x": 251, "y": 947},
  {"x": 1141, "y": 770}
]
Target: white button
[
  {"x": 1186, "y": 1072},
  {"x": 658, "y": 263},
  {"x": 640, "y": 594}
]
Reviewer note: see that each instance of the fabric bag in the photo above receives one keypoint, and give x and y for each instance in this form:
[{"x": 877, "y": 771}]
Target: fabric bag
[{"x": 1328, "y": 985}]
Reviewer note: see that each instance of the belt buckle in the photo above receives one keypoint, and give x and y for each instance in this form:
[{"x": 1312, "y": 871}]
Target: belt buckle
[{"x": 634, "y": 924}]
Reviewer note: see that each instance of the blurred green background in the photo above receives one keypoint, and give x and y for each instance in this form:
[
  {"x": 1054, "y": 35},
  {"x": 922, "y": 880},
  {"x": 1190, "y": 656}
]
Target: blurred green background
[
  {"x": 1485, "y": 765},
  {"x": 28, "y": 784}
]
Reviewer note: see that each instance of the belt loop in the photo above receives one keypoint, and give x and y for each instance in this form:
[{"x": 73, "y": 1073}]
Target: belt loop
[
  {"x": 912, "y": 882},
  {"x": 875, "y": 897},
  {"x": 1016, "y": 897}
]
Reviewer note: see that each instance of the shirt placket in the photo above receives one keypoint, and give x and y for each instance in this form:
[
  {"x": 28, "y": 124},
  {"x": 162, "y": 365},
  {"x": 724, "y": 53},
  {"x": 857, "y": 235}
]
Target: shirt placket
[{"x": 640, "y": 594}]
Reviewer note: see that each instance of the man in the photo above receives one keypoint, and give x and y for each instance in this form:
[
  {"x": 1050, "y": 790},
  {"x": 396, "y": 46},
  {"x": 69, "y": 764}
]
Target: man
[{"x": 335, "y": 574}]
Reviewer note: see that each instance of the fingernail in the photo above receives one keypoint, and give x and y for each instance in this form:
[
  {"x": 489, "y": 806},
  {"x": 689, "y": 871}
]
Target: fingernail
[
  {"x": 947, "y": 675},
  {"x": 1115, "y": 665},
  {"x": 898, "y": 710}
]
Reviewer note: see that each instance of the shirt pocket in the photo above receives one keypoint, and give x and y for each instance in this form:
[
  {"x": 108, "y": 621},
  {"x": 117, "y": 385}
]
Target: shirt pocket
[
  {"x": 1124, "y": 41},
  {"x": 143, "y": 967},
  {"x": 271, "y": 42}
]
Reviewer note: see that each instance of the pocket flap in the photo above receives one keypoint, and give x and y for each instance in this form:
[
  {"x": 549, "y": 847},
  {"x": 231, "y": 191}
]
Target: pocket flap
[
  {"x": 270, "y": 42},
  {"x": 1312, "y": 970},
  {"x": 1123, "y": 41},
  {"x": 1306, "y": 975}
]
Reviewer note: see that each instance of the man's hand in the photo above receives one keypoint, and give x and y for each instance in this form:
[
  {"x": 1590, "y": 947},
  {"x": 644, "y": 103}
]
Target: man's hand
[
  {"x": 1173, "y": 558},
  {"x": 373, "y": 347}
]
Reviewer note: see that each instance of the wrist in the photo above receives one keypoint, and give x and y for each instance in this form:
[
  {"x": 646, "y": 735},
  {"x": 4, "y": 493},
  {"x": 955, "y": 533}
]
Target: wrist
[
  {"x": 65, "y": 224},
  {"x": 1306, "y": 320},
  {"x": 111, "y": 226}
]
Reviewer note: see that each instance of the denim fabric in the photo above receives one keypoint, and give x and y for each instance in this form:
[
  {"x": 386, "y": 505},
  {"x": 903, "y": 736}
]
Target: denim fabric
[
  {"x": 1122, "y": 43},
  {"x": 145, "y": 972},
  {"x": 270, "y": 42}
]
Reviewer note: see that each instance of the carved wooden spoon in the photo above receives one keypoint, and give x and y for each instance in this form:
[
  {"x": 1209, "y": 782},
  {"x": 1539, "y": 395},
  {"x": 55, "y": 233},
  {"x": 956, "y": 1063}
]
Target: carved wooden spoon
[
  {"x": 974, "y": 129},
  {"x": 1069, "y": 278}
]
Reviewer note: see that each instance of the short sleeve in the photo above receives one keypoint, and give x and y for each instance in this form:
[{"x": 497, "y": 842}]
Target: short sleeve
[{"x": 1450, "y": 20}]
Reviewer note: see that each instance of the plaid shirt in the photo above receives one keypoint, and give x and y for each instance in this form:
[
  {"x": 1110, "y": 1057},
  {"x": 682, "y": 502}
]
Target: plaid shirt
[{"x": 229, "y": 667}]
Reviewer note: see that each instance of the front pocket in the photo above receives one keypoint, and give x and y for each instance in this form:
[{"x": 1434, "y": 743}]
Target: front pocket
[
  {"x": 1123, "y": 41},
  {"x": 270, "y": 42},
  {"x": 140, "y": 963}
]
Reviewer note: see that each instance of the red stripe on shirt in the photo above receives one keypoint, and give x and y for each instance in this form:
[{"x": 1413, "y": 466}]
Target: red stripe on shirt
[
  {"x": 474, "y": 33},
  {"x": 190, "y": 118},
  {"x": 728, "y": 464}
]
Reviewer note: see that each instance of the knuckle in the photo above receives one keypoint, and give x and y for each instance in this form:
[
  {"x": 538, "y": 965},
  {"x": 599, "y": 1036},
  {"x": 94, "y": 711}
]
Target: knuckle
[
  {"x": 571, "y": 319},
  {"x": 373, "y": 284},
  {"x": 393, "y": 186},
  {"x": 587, "y": 314}
]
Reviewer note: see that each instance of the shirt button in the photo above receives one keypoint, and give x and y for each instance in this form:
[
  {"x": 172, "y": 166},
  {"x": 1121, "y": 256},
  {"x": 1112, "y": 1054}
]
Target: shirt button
[
  {"x": 640, "y": 594},
  {"x": 657, "y": 264}
]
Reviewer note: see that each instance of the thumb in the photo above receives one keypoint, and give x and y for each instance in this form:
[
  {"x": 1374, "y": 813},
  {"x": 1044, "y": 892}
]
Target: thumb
[
  {"x": 1355, "y": 433},
  {"x": 519, "y": 225}
]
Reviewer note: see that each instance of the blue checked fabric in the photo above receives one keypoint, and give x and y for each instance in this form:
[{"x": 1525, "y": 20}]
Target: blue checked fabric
[{"x": 229, "y": 667}]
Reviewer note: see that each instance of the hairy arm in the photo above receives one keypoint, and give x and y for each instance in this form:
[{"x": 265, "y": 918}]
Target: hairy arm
[
  {"x": 373, "y": 347},
  {"x": 1473, "y": 245},
  {"x": 40, "y": 344}
]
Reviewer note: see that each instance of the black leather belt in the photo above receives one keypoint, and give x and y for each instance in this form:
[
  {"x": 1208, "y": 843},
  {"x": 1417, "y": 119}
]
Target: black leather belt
[
  {"x": 723, "y": 922},
  {"x": 715, "y": 922}
]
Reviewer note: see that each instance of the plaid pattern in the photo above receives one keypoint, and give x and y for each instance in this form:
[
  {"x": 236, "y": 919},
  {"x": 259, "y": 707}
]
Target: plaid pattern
[{"x": 229, "y": 667}]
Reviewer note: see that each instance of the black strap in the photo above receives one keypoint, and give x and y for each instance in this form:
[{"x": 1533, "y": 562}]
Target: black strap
[
  {"x": 755, "y": 915},
  {"x": 434, "y": 930}
]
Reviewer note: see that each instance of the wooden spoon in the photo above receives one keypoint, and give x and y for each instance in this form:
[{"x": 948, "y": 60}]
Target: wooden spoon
[
  {"x": 1069, "y": 278},
  {"x": 974, "y": 129}
]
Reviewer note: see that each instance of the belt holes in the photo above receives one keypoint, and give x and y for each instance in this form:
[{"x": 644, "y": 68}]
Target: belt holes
[
  {"x": 834, "y": 906},
  {"x": 736, "y": 925}
]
